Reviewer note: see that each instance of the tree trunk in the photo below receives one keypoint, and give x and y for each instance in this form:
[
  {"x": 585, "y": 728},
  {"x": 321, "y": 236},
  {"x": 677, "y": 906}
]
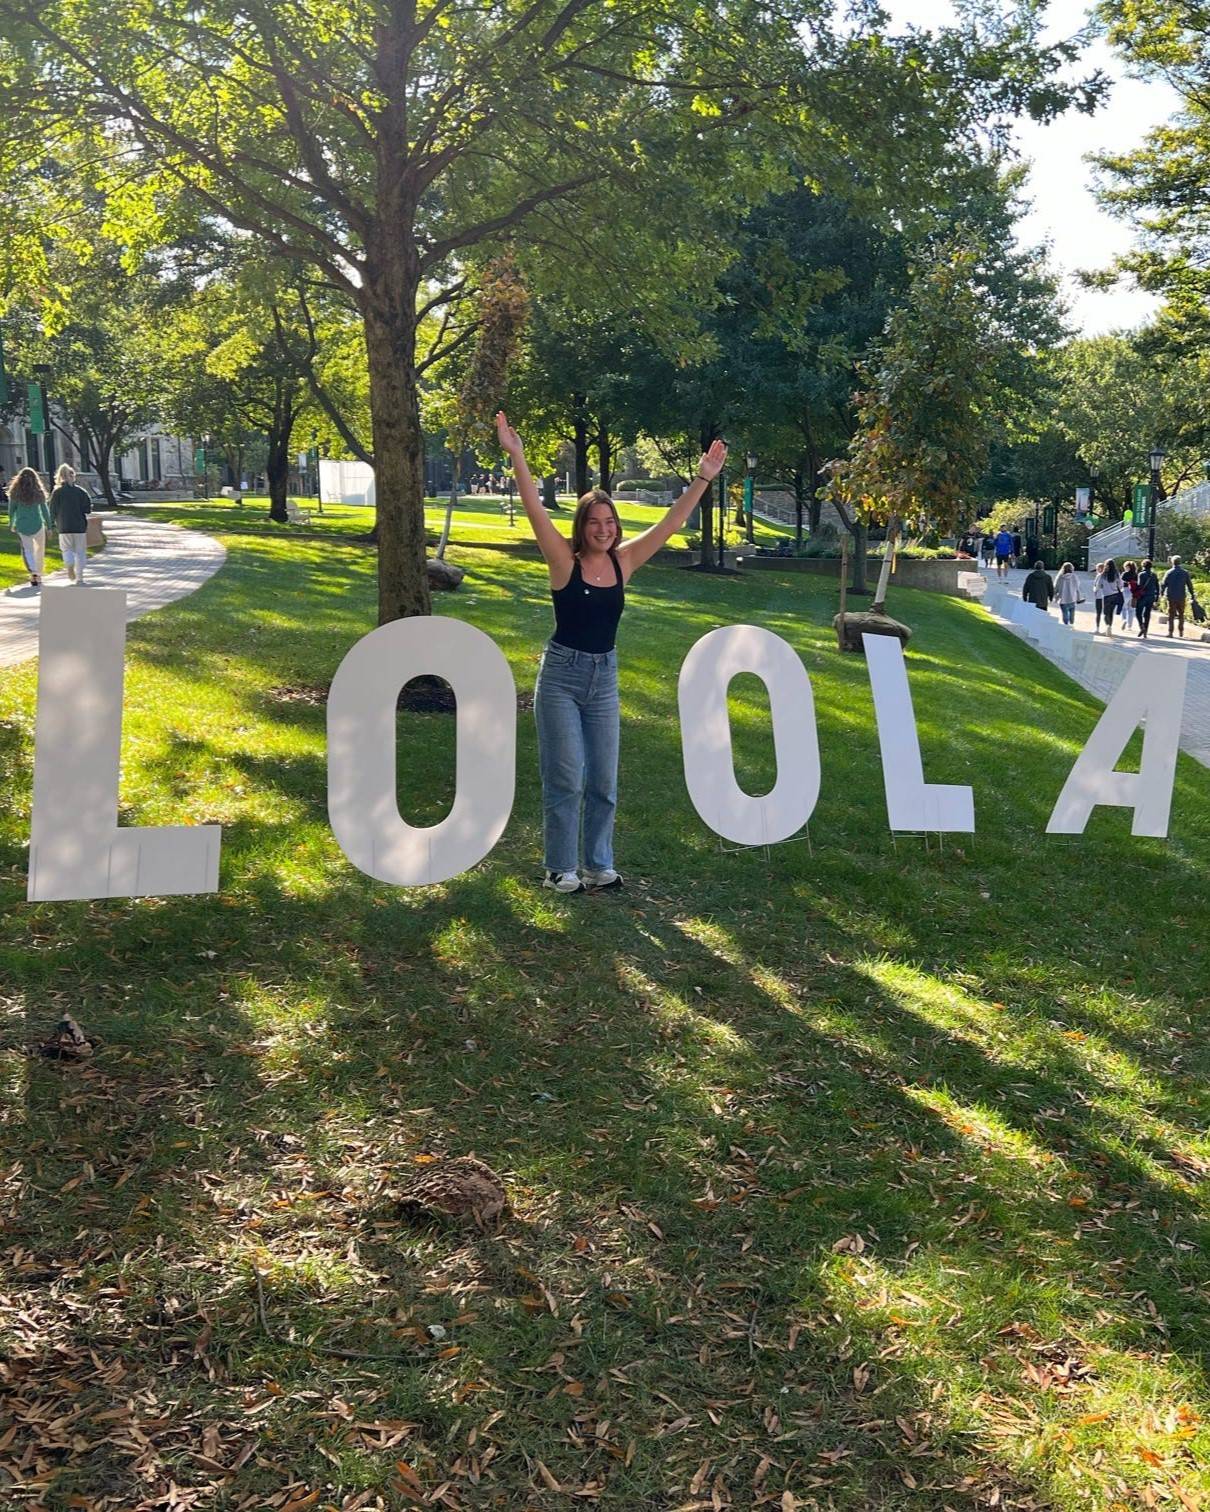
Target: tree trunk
[
  {"x": 448, "y": 522},
  {"x": 277, "y": 471},
  {"x": 103, "y": 454},
  {"x": 604, "y": 457},
  {"x": 799, "y": 491},
  {"x": 388, "y": 304},
  {"x": 815, "y": 508},
  {"x": 580, "y": 442},
  {"x": 861, "y": 544},
  {"x": 888, "y": 556}
]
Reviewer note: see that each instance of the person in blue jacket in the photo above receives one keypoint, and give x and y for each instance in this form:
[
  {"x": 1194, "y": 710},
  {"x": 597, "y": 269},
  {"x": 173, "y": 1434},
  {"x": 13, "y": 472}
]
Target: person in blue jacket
[{"x": 1004, "y": 552}]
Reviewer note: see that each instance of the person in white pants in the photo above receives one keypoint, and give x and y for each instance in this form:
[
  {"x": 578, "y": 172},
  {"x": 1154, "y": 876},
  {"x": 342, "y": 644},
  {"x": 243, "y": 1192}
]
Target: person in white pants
[
  {"x": 70, "y": 507},
  {"x": 29, "y": 517}
]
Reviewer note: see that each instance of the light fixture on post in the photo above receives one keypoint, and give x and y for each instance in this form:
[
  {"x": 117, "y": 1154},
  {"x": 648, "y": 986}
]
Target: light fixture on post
[
  {"x": 750, "y": 497},
  {"x": 1156, "y": 459}
]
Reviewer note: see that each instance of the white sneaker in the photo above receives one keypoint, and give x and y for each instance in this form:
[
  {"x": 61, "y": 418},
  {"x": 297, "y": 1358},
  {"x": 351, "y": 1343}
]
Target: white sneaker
[
  {"x": 599, "y": 881},
  {"x": 564, "y": 882}
]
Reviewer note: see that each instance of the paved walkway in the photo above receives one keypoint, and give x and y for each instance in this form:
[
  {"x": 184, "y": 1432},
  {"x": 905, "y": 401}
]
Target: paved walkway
[
  {"x": 1100, "y": 662},
  {"x": 155, "y": 564}
]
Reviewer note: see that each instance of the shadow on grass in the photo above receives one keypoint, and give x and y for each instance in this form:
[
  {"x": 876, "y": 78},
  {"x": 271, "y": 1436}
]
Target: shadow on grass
[{"x": 744, "y": 1100}]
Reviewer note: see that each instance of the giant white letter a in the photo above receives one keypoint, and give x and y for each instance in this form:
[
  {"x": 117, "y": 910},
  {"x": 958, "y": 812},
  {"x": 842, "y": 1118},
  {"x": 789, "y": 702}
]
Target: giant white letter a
[{"x": 1154, "y": 690}]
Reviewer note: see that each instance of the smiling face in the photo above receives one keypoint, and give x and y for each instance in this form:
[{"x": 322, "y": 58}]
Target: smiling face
[
  {"x": 600, "y": 532},
  {"x": 596, "y": 527}
]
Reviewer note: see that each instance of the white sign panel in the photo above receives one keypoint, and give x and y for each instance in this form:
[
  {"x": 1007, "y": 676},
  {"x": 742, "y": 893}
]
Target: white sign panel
[
  {"x": 345, "y": 482},
  {"x": 76, "y": 849},
  {"x": 706, "y": 735}
]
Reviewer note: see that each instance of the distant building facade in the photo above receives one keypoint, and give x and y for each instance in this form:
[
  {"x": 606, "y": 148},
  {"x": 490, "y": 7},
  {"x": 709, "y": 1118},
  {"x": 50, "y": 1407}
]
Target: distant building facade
[{"x": 156, "y": 457}]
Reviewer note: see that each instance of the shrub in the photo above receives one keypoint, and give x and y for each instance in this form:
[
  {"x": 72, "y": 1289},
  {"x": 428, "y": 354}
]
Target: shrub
[{"x": 1186, "y": 536}]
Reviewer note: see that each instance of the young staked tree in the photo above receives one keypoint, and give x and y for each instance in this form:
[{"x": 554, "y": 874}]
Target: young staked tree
[
  {"x": 380, "y": 141},
  {"x": 925, "y": 418}
]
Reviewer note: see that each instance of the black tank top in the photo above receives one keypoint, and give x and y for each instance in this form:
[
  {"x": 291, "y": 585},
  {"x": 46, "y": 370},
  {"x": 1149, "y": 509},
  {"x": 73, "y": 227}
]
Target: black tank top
[{"x": 586, "y": 617}]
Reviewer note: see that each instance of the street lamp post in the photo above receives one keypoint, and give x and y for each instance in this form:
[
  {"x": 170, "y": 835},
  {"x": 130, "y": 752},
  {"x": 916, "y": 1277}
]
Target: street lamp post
[
  {"x": 1153, "y": 497},
  {"x": 750, "y": 491},
  {"x": 319, "y": 495},
  {"x": 42, "y": 371}
]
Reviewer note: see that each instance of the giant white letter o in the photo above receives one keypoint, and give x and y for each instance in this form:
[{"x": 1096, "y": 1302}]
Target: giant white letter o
[
  {"x": 706, "y": 735},
  {"x": 363, "y": 807}
]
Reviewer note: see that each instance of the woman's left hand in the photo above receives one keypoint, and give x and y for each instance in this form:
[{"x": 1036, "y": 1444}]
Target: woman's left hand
[{"x": 712, "y": 461}]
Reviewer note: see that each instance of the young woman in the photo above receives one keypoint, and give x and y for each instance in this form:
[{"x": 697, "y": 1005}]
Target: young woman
[
  {"x": 1130, "y": 588},
  {"x": 576, "y": 699},
  {"x": 1067, "y": 591},
  {"x": 29, "y": 517},
  {"x": 70, "y": 508},
  {"x": 1107, "y": 590}
]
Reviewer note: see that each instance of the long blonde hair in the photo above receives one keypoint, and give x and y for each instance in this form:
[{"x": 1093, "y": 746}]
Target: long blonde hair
[
  {"x": 65, "y": 473},
  {"x": 26, "y": 488}
]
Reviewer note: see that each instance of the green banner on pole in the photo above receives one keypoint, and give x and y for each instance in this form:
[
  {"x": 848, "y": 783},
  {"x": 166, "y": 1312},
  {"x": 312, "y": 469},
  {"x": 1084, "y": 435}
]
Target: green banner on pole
[
  {"x": 199, "y": 459},
  {"x": 1142, "y": 504},
  {"x": 37, "y": 408},
  {"x": 747, "y": 493}
]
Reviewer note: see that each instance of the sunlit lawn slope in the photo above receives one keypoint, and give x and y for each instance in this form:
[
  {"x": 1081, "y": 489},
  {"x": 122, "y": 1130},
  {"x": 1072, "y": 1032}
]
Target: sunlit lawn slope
[{"x": 854, "y": 1176}]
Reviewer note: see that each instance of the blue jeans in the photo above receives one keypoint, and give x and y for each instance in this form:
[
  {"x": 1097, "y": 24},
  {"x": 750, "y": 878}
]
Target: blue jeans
[
  {"x": 1069, "y": 613},
  {"x": 576, "y": 709}
]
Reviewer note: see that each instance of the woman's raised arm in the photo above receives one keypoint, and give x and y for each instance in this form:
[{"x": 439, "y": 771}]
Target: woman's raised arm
[
  {"x": 632, "y": 554},
  {"x": 554, "y": 546}
]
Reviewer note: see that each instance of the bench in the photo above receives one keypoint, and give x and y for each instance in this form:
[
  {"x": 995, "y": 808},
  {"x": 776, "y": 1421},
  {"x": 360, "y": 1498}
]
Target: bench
[{"x": 297, "y": 516}]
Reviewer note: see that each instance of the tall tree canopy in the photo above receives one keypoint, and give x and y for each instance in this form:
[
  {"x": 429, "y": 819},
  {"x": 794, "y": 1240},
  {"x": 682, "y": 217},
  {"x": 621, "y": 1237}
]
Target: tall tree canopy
[{"x": 381, "y": 141}]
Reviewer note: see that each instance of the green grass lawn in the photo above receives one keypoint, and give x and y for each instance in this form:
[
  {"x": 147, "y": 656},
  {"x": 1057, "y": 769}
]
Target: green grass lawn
[
  {"x": 477, "y": 519},
  {"x": 859, "y": 1175}
]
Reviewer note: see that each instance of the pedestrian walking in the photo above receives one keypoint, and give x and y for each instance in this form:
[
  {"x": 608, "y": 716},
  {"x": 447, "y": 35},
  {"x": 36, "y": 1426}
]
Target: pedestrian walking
[
  {"x": 1177, "y": 588},
  {"x": 1067, "y": 591},
  {"x": 1107, "y": 590},
  {"x": 1130, "y": 589},
  {"x": 1038, "y": 588},
  {"x": 989, "y": 549},
  {"x": 1148, "y": 592},
  {"x": 29, "y": 517},
  {"x": 1004, "y": 551},
  {"x": 70, "y": 508},
  {"x": 576, "y": 699},
  {"x": 1017, "y": 547}
]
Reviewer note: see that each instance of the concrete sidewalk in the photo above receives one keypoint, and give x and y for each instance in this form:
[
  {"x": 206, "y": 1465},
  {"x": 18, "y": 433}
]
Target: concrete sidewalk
[
  {"x": 156, "y": 564},
  {"x": 1099, "y": 662}
]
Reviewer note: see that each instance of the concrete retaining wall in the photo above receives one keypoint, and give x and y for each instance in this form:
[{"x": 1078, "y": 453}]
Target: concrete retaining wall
[{"x": 940, "y": 576}]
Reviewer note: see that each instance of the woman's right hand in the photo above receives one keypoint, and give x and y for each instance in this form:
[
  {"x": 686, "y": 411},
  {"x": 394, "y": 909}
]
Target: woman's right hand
[{"x": 509, "y": 440}]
